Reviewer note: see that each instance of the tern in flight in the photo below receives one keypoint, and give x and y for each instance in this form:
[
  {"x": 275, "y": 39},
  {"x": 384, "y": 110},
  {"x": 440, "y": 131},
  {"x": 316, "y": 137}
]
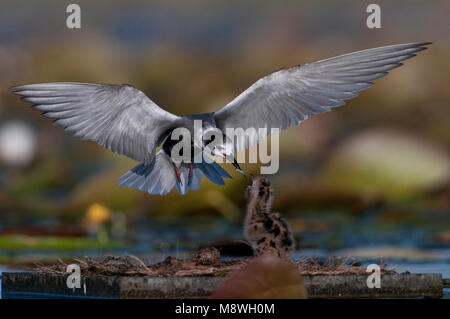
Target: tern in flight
[{"x": 124, "y": 120}]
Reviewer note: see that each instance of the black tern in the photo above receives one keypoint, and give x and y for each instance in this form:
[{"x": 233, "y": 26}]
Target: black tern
[{"x": 124, "y": 120}]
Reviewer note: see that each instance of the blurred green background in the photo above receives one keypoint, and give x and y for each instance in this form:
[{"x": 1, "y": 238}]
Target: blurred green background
[{"x": 374, "y": 173}]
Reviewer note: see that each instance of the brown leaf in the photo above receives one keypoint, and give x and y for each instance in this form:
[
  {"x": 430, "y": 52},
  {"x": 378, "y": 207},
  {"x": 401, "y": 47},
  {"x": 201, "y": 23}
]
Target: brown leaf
[{"x": 263, "y": 277}]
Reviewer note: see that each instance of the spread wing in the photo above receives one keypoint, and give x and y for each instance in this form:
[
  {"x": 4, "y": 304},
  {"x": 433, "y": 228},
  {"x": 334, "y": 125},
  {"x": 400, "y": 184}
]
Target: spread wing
[
  {"x": 118, "y": 117},
  {"x": 290, "y": 96}
]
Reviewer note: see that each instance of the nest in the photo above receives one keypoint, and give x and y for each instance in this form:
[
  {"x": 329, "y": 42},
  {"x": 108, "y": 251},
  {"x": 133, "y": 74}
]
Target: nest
[
  {"x": 205, "y": 263},
  {"x": 336, "y": 266}
]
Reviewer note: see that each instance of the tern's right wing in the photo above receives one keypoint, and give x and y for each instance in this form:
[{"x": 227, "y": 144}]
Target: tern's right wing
[{"x": 118, "y": 117}]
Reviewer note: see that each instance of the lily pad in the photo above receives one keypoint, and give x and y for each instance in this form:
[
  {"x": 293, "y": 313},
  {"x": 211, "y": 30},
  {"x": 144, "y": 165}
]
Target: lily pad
[{"x": 387, "y": 162}]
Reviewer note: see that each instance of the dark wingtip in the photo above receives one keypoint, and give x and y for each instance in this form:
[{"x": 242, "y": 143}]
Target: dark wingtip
[
  {"x": 424, "y": 45},
  {"x": 15, "y": 89}
]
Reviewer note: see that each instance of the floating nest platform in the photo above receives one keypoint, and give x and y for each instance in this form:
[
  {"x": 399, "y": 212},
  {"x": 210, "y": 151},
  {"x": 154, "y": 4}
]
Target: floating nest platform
[{"x": 198, "y": 277}]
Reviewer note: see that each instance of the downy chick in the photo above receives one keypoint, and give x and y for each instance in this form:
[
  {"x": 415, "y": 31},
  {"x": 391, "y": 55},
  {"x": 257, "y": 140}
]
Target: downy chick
[{"x": 267, "y": 232}]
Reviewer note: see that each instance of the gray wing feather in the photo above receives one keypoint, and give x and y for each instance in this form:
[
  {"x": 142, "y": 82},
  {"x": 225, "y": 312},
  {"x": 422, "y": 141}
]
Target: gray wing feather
[
  {"x": 290, "y": 96},
  {"x": 118, "y": 117},
  {"x": 159, "y": 177}
]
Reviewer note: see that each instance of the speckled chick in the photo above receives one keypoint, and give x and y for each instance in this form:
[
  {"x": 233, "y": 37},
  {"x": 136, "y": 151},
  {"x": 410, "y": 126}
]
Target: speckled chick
[{"x": 267, "y": 232}]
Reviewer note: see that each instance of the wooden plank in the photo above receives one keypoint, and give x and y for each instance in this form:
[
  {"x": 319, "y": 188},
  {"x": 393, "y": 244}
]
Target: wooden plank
[{"x": 34, "y": 285}]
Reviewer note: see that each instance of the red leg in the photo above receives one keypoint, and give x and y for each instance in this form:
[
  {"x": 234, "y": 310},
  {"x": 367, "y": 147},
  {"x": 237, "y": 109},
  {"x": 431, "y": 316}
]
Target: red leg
[
  {"x": 191, "y": 169},
  {"x": 177, "y": 173}
]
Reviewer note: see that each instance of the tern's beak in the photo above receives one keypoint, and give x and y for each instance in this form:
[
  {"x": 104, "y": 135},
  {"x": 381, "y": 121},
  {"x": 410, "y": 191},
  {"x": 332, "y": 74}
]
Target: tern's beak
[{"x": 236, "y": 165}]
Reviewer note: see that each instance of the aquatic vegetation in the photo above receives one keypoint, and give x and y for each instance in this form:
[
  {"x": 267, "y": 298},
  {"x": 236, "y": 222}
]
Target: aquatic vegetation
[{"x": 17, "y": 243}]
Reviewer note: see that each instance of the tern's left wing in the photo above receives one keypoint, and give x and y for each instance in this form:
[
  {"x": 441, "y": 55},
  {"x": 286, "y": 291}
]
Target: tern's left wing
[{"x": 290, "y": 96}]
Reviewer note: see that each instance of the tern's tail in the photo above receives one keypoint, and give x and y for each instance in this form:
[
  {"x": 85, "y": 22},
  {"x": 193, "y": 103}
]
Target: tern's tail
[{"x": 159, "y": 177}]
